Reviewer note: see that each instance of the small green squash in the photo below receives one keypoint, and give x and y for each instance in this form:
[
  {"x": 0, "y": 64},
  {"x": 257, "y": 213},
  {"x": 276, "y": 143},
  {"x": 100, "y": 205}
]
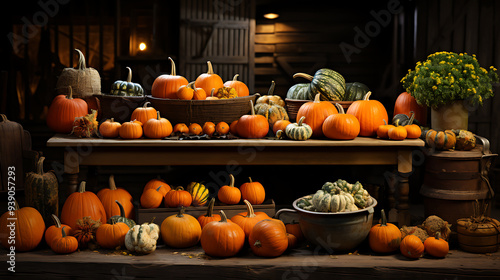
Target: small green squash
[
  {"x": 298, "y": 92},
  {"x": 355, "y": 91},
  {"x": 127, "y": 88},
  {"x": 328, "y": 83},
  {"x": 121, "y": 218},
  {"x": 298, "y": 131}
]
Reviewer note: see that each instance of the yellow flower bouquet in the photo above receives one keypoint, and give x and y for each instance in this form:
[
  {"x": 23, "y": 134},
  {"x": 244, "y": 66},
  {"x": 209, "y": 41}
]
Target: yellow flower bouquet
[{"x": 447, "y": 76}]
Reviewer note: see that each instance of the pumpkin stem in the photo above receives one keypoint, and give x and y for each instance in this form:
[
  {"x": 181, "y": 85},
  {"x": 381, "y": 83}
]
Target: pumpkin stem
[
  {"x": 317, "y": 98},
  {"x": 4, "y": 117},
  {"x": 223, "y": 217},
  {"x": 191, "y": 86},
  {"x": 231, "y": 183},
  {"x": 112, "y": 184},
  {"x": 81, "y": 60},
  {"x": 70, "y": 96},
  {"x": 383, "y": 223},
  {"x": 179, "y": 188},
  {"x": 158, "y": 115},
  {"x": 303, "y": 75},
  {"x": 340, "y": 109},
  {"x": 39, "y": 166},
  {"x": 146, "y": 104},
  {"x": 112, "y": 120},
  {"x": 385, "y": 122},
  {"x": 367, "y": 96},
  {"x": 63, "y": 232},
  {"x": 152, "y": 220},
  {"x": 257, "y": 244},
  {"x": 182, "y": 210},
  {"x": 56, "y": 220},
  {"x": 129, "y": 76},
  {"x": 396, "y": 123},
  {"x": 251, "y": 106},
  {"x": 212, "y": 93},
  {"x": 16, "y": 205},
  {"x": 158, "y": 189},
  {"x": 81, "y": 189},
  {"x": 210, "y": 209},
  {"x": 250, "y": 211},
  {"x": 122, "y": 211},
  {"x": 301, "y": 120},
  {"x": 412, "y": 118},
  {"x": 210, "y": 68},
  {"x": 271, "y": 88},
  {"x": 250, "y": 179},
  {"x": 438, "y": 235},
  {"x": 172, "y": 63},
  {"x": 235, "y": 78}
]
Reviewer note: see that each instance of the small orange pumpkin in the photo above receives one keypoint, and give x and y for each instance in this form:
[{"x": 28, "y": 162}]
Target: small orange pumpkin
[
  {"x": 108, "y": 195},
  {"x": 341, "y": 126},
  {"x": 55, "y": 230},
  {"x": 178, "y": 197},
  {"x": 155, "y": 183},
  {"x": 384, "y": 237},
  {"x": 112, "y": 235},
  {"x": 209, "y": 216},
  {"x": 414, "y": 131},
  {"x": 383, "y": 130},
  {"x": 64, "y": 243},
  {"x": 280, "y": 125},
  {"x": 157, "y": 128},
  {"x": 370, "y": 114},
  {"x": 222, "y": 128},
  {"x": 131, "y": 130},
  {"x": 195, "y": 129},
  {"x": 181, "y": 128},
  {"x": 144, "y": 113},
  {"x": 166, "y": 86},
  {"x": 240, "y": 87},
  {"x": 436, "y": 246},
  {"x": 294, "y": 228},
  {"x": 208, "y": 128},
  {"x": 181, "y": 230},
  {"x": 151, "y": 198},
  {"x": 254, "y": 192},
  {"x": 268, "y": 238},
  {"x": 316, "y": 113},
  {"x": 110, "y": 128},
  {"x": 247, "y": 220},
  {"x": 210, "y": 80},
  {"x": 412, "y": 247},
  {"x": 233, "y": 127},
  {"x": 252, "y": 126},
  {"x": 185, "y": 92},
  {"x": 398, "y": 132},
  {"x": 229, "y": 194}
]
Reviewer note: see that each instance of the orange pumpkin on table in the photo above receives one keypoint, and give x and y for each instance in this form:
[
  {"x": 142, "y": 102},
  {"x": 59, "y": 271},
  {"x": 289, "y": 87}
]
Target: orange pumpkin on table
[
  {"x": 370, "y": 114},
  {"x": 229, "y": 194},
  {"x": 131, "y": 130},
  {"x": 405, "y": 104},
  {"x": 268, "y": 238},
  {"x": 166, "y": 86},
  {"x": 341, "y": 126},
  {"x": 82, "y": 203},
  {"x": 110, "y": 128},
  {"x": 209, "y": 216},
  {"x": 55, "y": 230},
  {"x": 208, "y": 81},
  {"x": 222, "y": 238},
  {"x": 315, "y": 113},
  {"x": 412, "y": 247},
  {"x": 157, "y": 128},
  {"x": 108, "y": 195},
  {"x": 181, "y": 230},
  {"x": 252, "y": 126},
  {"x": 247, "y": 220},
  {"x": 384, "y": 237},
  {"x": 143, "y": 113},
  {"x": 254, "y": 192},
  {"x": 63, "y": 110}
]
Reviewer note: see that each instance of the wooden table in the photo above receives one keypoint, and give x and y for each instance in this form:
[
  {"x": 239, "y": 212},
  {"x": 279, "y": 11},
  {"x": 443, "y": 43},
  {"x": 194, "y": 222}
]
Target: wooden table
[{"x": 232, "y": 153}]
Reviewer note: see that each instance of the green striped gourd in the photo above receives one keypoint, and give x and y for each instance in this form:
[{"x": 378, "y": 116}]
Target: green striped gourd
[
  {"x": 127, "y": 88},
  {"x": 298, "y": 92},
  {"x": 298, "y": 131},
  {"x": 329, "y": 83},
  {"x": 121, "y": 218},
  {"x": 199, "y": 193},
  {"x": 355, "y": 91}
]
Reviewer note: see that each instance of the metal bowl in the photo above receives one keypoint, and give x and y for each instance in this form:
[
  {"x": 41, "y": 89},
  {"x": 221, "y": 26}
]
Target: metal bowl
[{"x": 341, "y": 231}]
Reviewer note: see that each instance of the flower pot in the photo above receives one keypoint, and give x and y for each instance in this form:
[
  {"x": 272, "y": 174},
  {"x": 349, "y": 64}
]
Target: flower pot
[{"x": 451, "y": 116}]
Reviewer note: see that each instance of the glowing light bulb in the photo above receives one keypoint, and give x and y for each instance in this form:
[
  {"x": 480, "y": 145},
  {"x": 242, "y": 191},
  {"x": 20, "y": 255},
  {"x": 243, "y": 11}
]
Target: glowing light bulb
[
  {"x": 271, "y": 16},
  {"x": 142, "y": 46}
]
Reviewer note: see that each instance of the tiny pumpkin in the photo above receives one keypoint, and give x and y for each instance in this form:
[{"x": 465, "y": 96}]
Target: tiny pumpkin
[
  {"x": 280, "y": 125},
  {"x": 195, "y": 129},
  {"x": 222, "y": 128},
  {"x": 229, "y": 194},
  {"x": 222, "y": 238},
  {"x": 110, "y": 128},
  {"x": 212, "y": 96},
  {"x": 151, "y": 198},
  {"x": 398, "y": 132},
  {"x": 383, "y": 130},
  {"x": 413, "y": 131},
  {"x": 185, "y": 92},
  {"x": 294, "y": 228},
  {"x": 299, "y": 130},
  {"x": 208, "y": 128},
  {"x": 180, "y": 128},
  {"x": 384, "y": 237},
  {"x": 233, "y": 127}
]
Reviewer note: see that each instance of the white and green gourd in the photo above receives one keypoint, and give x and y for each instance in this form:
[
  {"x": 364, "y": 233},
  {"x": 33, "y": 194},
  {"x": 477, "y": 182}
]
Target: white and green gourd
[
  {"x": 361, "y": 196},
  {"x": 298, "y": 131}
]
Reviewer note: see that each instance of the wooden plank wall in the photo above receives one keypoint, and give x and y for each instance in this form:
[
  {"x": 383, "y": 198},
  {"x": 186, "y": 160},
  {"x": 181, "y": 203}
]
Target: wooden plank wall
[
  {"x": 465, "y": 26},
  {"x": 219, "y": 32}
]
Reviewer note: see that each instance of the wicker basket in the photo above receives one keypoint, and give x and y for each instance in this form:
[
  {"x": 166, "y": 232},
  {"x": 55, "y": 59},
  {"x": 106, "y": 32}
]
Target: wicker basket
[
  {"x": 201, "y": 111},
  {"x": 293, "y": 106},
  {"x": 118, "y": 107}
]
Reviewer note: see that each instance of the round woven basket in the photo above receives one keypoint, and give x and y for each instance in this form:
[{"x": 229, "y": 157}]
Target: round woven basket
[
  {"x": 118, "y": 107},
  {"x": 293, "y": 106},
  {"x": 201, "y": 111}
]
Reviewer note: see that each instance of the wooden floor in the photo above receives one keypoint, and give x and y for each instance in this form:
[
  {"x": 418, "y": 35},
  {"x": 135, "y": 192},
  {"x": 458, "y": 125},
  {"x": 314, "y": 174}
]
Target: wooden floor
[{"x": 303, "y": 263}]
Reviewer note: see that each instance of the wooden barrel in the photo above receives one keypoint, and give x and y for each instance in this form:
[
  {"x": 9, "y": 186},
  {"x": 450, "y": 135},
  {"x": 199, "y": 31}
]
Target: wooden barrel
[
  {"x": 452, "y": 184},
  {"x": 481, "y": 237}
]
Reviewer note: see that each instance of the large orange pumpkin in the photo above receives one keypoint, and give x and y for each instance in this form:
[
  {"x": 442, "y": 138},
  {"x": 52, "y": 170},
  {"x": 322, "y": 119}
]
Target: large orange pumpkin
[
  {"x": 370, "y": 114},
  {"x": 80, "y": 204},
  {"x": 252, "y": 126},
  {"x": 63, "y": 110},
  {"x": 27, "y": 230},
  {"x": 268, "y": 238},
  {"x": 316, "y": 113},
  {"x": 107, "y": 196},
  {"x": 341, "y": 126},
  {"x": 157, "y": 128},
  {"x": 240, "y": 87},
  {"x": 222, "y": 238},
  {"x": 384, "y": 237},
  {"x": 166, "y": 86},
  {"x": 111, "y": 235},
  {"x": 181, "y": 230},
  {"x": 405, "y": 103},
  {"x": 208, "y": 81}
]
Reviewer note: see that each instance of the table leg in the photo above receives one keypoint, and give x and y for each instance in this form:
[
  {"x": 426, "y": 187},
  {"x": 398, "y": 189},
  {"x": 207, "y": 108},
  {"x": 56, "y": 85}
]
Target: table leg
[
  {"x": 403, "y": 187},
  {"x": 71, "y": 170}
]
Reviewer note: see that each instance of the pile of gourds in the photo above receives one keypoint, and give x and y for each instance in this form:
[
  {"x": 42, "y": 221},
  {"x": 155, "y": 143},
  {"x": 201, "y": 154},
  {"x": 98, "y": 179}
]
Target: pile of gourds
[{"x": 338, "y": 196}]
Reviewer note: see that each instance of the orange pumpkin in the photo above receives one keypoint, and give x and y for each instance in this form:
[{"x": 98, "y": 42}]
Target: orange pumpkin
[
  {"x": 185, "y": 92},
  {"x": 252, "y": 126},
  {"x": 254, "y": 192},
  {"x": 233, "y": 127},
  {"x": 316, "y": 113},
  {"x": 180, "y": 128},
  {"x": 151, "y": 198},
  {"x": 222, "y": 128},
  {"x": 181, "y": 230},
  {"x": 195, "y": 129},
  {"x": 414, "y": 131},
  {"x": 28, "y": 230},
  {"x": 398, "y": 132},
  {"x": 268, "y": 238},
  {"x": 112, "y": 235},
  {"x": 63, "y": 110},
  {"x": 240, "y": 87},
  {"x": 292, "y": 241},
  {"x": 211, "y": 96},
  {"x": 178, "y": 197},
  {"x": 412, "y": 247},
  {"x": 144, "y": 113},
  {"x": 383, "y": 130},
  {"x": 157, "y": 128},
  {"x": 436, "y": 246},
  {"x": 210, "y": 80},
  {"x": 110, "y": 128},
  {"x": 155, "y": 183},
  {"x": 108, "y": 195},
  {"x": 199, "y": 93},
  {"x": 294, "y": 228},
  {"x": 81, "y": 204},
  {"x": 405, "y": 103},
  {"x": 131, "y": 130},
  {"x": 166, "y": 86},
  {"x": 208, "y": 128},
  {"x": 229, "y": 194},
  {"x": 280, "y": 125},
  {"x": 55, "y": 230},
  {"x": 341, "y": 126},
  {"x": 384, "y": 237},
  {"x": 222, "y": 238},
  {"x": 247, "y": 220},
  {"x": 370, "y": 114},
  {"x": 64, "y": 243},
  {"x": 209, "y": 216}
]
